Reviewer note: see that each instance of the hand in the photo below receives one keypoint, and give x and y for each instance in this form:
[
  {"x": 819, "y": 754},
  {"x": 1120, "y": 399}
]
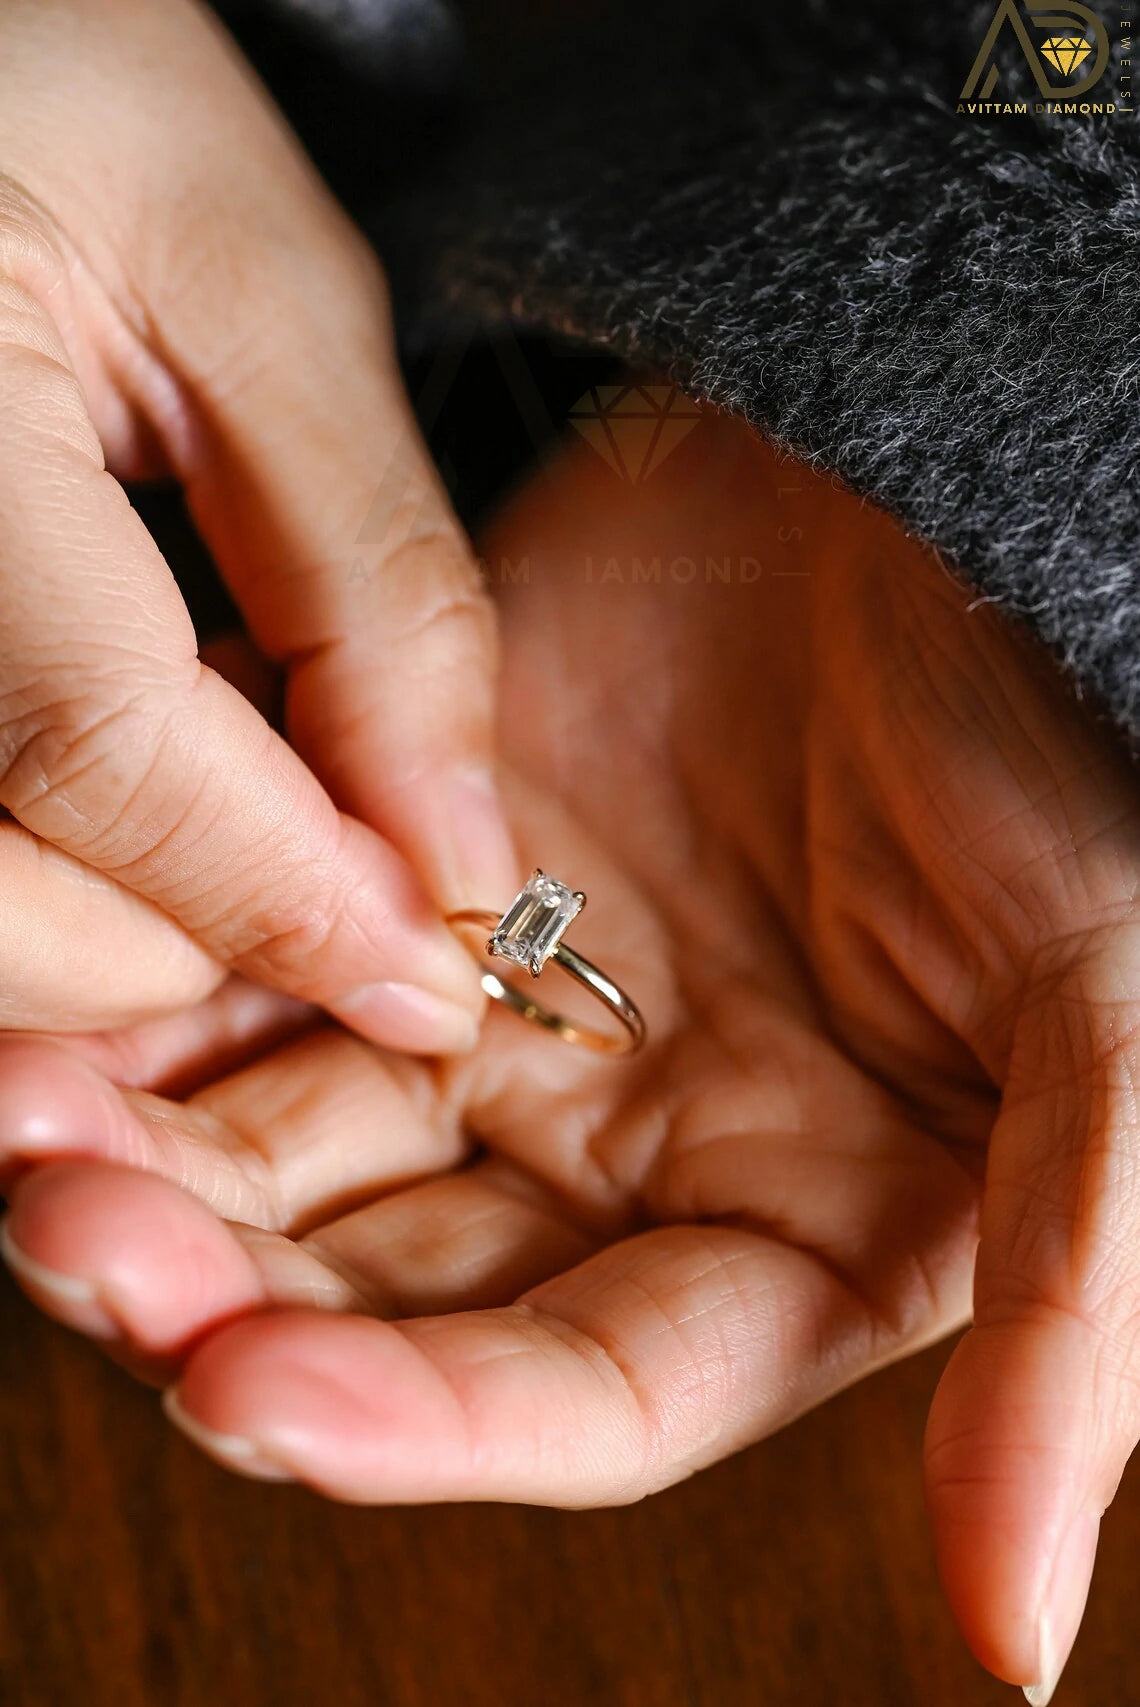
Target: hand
[
  {"x": 179, "y": 295},
  {"x": 871, "y": 873}
]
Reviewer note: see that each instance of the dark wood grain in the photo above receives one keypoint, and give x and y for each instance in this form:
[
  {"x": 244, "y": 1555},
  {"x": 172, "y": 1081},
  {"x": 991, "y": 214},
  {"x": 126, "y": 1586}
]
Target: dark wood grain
[{"x": 135, "y": 1574}]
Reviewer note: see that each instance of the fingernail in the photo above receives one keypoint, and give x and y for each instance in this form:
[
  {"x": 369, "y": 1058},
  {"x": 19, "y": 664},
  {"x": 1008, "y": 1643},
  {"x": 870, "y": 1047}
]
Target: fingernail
[
  {"x": 483, "y": 859},
  {"x": 232, "y": 1450},
  {"x": 72, "y": 1298},
  {"x": 404, "y": 1016},
  {"x": 1064, "y": 1604}
]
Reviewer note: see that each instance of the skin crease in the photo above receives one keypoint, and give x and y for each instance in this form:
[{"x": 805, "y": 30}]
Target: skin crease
[{"x": 869, "y": 869}]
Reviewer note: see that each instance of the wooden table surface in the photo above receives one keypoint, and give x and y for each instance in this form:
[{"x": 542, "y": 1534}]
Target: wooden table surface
[{"x": 136, "y": 1574}]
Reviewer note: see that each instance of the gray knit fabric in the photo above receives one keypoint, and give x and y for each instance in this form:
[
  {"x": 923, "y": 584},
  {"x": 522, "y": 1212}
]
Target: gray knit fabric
[{"x": 793, "y": 220}]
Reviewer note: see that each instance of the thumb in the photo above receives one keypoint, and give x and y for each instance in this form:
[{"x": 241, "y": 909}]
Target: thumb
[{"x": 1037, "y": 1411}]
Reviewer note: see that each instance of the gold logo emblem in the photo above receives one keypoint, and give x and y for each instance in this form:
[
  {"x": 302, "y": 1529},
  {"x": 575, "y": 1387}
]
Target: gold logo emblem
[
  {"x": 1085, "y": 39},
  {"x": 1066, "y": 52}
]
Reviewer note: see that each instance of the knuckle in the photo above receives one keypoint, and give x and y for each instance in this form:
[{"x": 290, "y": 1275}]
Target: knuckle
[
  {"x": 44, "y": 405},
  {"x": 47, "y": 429},
  {"x": 969, "y": 1463},
  {"x": 76, "y": 752},
  {"x": 702, "y": 1289},
  {"x": 285, "y": 937},
  {"x": 417, "y": 662},
  {"x": 308, "y": 293},
  {"x": 31, "y": 251},
  {"x": 1069, "y": 1213},
  {"x": 437, "y": 603},
  {"x": 1079, "y": 1023},
  {"x": 356, "y": 266},
  {"x": 336, "y": 265}
]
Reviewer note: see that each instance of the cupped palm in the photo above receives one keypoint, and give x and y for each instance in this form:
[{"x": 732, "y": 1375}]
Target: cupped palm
[{"x": 869, "y": 870}]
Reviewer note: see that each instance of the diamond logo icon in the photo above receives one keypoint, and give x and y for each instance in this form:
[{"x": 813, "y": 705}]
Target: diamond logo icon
[
  {"x": 634, "y": 428},
  {"x": 1066, "y": 52}
]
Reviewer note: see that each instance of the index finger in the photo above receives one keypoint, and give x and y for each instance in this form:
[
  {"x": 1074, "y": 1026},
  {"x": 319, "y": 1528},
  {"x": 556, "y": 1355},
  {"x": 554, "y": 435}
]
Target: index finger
[{"x": 119, "y": 747}]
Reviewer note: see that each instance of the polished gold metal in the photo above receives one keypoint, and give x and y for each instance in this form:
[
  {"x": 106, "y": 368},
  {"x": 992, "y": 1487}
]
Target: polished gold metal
[{"x": 632, "y": 1035}]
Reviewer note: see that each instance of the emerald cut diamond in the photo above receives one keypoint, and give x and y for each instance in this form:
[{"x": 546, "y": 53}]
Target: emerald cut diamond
[{"x": 532, "y": 926}]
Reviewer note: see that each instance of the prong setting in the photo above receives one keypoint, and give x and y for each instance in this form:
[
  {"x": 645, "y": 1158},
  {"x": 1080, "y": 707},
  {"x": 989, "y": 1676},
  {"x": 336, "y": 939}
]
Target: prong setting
[{"x": 532, "y": 926}]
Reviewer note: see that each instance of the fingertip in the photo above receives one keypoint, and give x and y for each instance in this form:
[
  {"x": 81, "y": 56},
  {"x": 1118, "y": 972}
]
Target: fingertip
[
  {"x": 232, "y": 1451},
  {"x": 1004, "y": 1476},
  {"x": 1059, "y": 1617},
  {"x": 407, "y": 1017},
  {"x": 52, "y": 1102},
  {"x": 64, "y": 1297},
  {"x": 342, "y": 1403},
  {"x": 113, "y": 1252},
  {"x": 421, "y": 990}
]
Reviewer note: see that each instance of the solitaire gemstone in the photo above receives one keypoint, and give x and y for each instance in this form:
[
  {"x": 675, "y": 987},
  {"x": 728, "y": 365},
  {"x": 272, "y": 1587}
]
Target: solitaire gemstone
[{"x": 532, "y": 926}]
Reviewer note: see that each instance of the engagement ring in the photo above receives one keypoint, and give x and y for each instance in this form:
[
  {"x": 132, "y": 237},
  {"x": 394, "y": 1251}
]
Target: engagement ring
[{"x": 530, "y": 933}]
